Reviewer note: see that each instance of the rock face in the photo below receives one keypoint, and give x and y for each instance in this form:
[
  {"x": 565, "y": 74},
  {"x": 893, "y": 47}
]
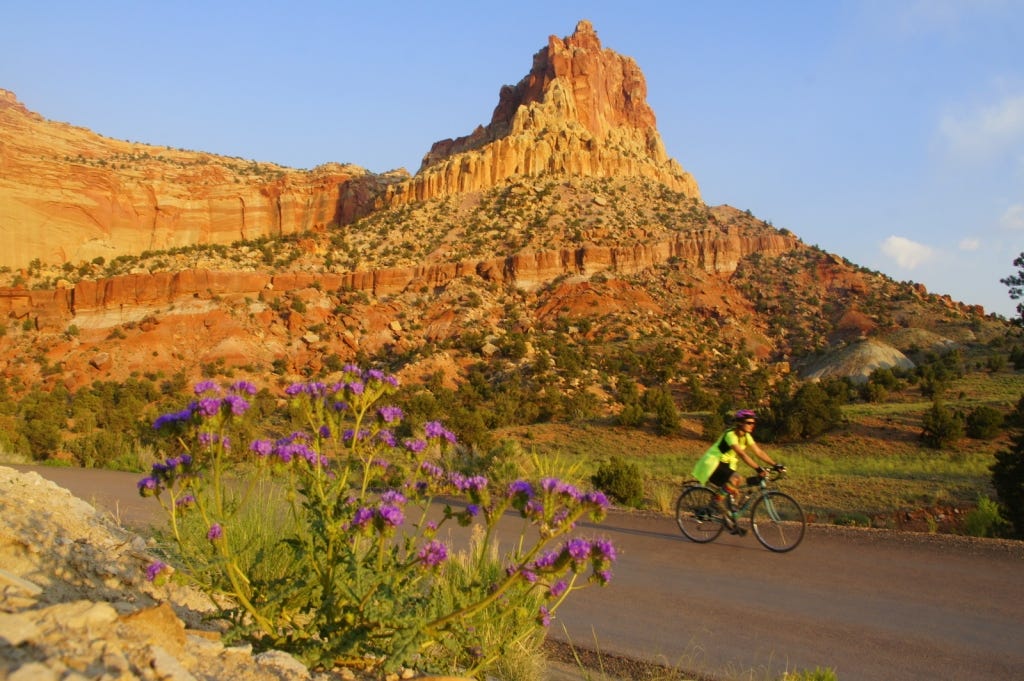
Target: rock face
[
  {"x": 76, "y": 603},
  {"x": 582, "y": 110},
  {"x": 70, "y": 195}
]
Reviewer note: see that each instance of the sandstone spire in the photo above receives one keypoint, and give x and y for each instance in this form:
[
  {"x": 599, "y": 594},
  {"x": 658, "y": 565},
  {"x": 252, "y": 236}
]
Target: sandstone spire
[{"x": 581, "y": 110}]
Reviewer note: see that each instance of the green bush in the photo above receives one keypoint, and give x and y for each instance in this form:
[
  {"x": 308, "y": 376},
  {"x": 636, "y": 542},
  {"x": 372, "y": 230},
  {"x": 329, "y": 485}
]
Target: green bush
[
  {"x": 984, "y": 423},
  {"x": 941, "y": 426},
  {"x": 620, "y": 480},
  {"x": 1008, "y": 481},
  {"x": 985, "y": 521}
]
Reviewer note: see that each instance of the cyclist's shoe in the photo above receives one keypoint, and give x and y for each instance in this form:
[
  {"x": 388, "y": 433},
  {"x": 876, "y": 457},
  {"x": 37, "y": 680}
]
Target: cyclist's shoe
[{"x": 737, "y": 530}]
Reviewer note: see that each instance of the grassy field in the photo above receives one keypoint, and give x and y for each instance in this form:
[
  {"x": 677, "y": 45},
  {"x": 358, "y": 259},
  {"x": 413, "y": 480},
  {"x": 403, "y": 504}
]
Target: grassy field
[{"x": 872, "y": 470}]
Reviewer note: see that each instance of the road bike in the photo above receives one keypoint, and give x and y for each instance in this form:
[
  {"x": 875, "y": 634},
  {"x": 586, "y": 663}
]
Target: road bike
[{"x": 776, "y": 518}]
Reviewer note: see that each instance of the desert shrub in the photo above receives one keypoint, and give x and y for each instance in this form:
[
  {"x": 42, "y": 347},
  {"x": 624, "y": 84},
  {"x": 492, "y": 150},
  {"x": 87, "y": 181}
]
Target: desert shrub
[
  {"x": 658, "y": 400},
  {"x": 985, "y": 520},
  {"x": 631, "y": 415},
  {"x": 984, "y": 423},
  {"x": 941, "y": 426},
  {"x": 811, "y": 411},
  {"x": 621, "y": 480}
]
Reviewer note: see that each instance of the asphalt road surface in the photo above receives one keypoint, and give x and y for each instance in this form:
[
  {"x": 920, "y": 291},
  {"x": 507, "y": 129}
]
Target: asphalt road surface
[{"x": 871, "y": 605}]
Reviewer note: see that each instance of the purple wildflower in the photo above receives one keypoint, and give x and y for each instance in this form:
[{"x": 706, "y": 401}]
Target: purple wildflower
[
  {"x": 208, "y": 406},
  {"x": 390, "y": 414},
  {"x": 148, "y": 486},
  {"x": 578, "y": 549},
  {"x": 261, "y": 447},
  {"x": 431, "y": 469},
  {"x": 206, "y": 387},
  {"x": 415, "y": 446},
  {"x": 239, "y": 387},
  {"x": 558, "y": 588},
  {"x": 602, "y": 548},
  {"x": 391, "y": 515},
  {"x": 361, "y": 517},
  {"x": 521, "y": 488},
  {"x": 155, "y": 569},
  {"x": 239, "y": 405},
  {"x": 215, "y": 533},
  {"x": 544, "y": 617},
  {"x": 433, "y": 553},
  {"x": 392, "y": 497},
  {"x": 174, "y": 417}
]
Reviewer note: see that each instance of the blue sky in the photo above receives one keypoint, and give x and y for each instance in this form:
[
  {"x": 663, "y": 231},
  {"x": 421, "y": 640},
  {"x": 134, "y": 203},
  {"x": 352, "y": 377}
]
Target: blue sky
[{"x": 890, "y": 132}]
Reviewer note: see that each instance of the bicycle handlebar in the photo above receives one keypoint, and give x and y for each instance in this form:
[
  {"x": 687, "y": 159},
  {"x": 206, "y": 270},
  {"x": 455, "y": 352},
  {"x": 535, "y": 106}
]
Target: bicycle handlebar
[{"x": 776, "y": 472}]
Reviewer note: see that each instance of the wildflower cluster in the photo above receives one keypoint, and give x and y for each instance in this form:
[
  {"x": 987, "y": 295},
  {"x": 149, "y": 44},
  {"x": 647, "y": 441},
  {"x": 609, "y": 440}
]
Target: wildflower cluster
[{"x": 367, "y": 565}]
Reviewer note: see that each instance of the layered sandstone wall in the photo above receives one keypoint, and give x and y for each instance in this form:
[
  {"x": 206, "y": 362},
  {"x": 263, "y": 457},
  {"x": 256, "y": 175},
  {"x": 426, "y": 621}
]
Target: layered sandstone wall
[
  {"x": 70, "y": 195},
  {"x": 133, "y": 296}
]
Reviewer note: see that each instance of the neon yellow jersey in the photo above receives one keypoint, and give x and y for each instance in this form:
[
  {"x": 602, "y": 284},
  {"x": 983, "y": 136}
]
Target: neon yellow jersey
[{"x": 707, "y": 463}]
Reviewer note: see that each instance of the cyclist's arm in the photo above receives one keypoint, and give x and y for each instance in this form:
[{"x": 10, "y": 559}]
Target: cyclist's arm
[
  {"x": 761, "y": 454},
  {"x": 746, "y": 457}
]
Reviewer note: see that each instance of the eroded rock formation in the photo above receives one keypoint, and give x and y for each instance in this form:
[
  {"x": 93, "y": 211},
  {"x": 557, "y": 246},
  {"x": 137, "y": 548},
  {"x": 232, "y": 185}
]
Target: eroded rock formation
[{"x": 581, "y": 110}]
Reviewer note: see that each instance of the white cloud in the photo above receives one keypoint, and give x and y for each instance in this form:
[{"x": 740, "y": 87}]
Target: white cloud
[
  {"x": 969, "y": 244},
  {"x": 986, "y": 131},
  {"x": 908, "y": 254},
  {"x": 1013, "y": 218}
]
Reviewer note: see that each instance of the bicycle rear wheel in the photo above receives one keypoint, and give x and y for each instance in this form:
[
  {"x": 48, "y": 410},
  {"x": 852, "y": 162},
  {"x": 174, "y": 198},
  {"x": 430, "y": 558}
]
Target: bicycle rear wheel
[
  {"x": 696, "y": 514},
  {"x": 778, "y": 521}
]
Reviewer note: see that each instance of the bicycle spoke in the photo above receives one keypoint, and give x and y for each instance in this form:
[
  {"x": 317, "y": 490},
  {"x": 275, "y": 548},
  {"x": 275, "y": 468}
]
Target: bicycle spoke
[
  {"x": 778, "y": 521},
  {"x": 696, "y": 515}
]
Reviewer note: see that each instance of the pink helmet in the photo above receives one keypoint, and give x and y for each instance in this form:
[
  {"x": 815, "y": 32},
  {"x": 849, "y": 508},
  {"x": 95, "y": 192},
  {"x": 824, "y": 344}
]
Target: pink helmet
[{"x": 745, "y": 415}]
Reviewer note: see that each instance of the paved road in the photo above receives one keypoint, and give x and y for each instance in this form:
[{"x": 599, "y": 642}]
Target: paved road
[{"x": 870, "y": 605}]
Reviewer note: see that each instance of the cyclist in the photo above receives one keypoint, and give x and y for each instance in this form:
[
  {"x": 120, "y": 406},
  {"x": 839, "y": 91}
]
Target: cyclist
[{"x": 719, "y": 462}]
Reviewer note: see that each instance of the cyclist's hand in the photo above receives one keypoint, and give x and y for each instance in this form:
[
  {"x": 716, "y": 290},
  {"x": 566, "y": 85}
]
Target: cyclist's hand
[
  {"x": 779, "y": 468},
  {"x": 762, "y": 472}
]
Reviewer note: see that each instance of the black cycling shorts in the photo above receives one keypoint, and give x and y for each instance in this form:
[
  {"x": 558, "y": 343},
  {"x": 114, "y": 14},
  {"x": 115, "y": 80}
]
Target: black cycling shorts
[{"x": 721, "y": 474}]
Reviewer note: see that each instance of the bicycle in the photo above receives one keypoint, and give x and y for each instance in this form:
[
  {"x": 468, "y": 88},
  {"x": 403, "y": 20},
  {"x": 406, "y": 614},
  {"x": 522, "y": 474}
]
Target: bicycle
[{"x": 776, "y": 518}]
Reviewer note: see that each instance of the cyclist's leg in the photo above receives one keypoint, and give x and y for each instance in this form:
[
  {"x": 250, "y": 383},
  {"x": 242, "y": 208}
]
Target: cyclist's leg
[{"x": 720, "y": 480}]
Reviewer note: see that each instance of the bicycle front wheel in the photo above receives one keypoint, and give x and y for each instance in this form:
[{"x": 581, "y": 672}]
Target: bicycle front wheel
[
  {"x": 696, "y": 514},
  {"x": 778, "y": 521}
]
